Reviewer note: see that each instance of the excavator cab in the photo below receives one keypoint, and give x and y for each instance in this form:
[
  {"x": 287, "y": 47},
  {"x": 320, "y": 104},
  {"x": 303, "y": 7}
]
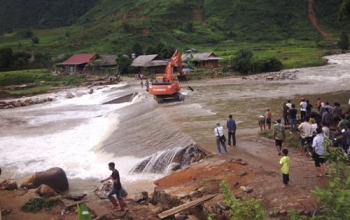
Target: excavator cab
[
  {"x": 165, "y": 87},
  {"x": 161, "y": 80}
]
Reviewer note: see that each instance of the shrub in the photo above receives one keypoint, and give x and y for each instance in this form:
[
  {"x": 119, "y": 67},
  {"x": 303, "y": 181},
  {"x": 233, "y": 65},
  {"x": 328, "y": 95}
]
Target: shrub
[
  {"x": 252, "y": 209},
  {"x": 335, "y": 196},
  {"x": 37, "y": 204}
]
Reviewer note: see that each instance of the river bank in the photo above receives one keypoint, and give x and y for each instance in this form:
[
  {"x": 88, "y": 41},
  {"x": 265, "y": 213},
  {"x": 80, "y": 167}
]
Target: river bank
[{"x": 82, "y": 135}]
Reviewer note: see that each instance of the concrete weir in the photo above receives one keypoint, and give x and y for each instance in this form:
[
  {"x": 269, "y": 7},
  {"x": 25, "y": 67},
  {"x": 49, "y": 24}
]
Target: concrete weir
[{"x": 122, "y": 99}]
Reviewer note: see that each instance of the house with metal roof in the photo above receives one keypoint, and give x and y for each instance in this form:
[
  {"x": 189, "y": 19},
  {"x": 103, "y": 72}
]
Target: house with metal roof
[
  {"x": 149, "y": 64},
  {"x": 79, "y": 62},
  {"x": 201, "y": 60}
]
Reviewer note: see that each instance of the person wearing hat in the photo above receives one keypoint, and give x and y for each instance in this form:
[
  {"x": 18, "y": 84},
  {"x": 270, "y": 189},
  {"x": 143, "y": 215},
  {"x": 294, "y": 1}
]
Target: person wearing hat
[
  {"x": 303, "y": 106},
  {"x": 220, "y": 137}
]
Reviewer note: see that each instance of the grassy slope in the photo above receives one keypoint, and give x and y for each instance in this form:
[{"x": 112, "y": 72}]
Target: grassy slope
[{"x": 223, "y": 27}]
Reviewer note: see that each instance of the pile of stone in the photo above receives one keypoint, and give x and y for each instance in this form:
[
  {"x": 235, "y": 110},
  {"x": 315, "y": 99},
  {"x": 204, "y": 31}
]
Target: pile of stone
[
  {"x": 288, "y": 75},
  {"x": 24, "y": 102}
]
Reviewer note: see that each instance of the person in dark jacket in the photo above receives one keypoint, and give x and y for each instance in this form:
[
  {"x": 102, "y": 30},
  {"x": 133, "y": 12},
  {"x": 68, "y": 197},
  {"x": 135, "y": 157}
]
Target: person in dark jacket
[{"x": 231, "y": 127}]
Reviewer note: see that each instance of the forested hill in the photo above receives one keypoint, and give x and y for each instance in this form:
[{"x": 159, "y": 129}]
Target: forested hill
[
  {"x": 117, "y": 23},
  {"x": 41, "y": 13}
]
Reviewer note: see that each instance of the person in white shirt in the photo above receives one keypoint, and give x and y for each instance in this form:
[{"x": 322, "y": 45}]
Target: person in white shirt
[
  {"x": 303, "y": 105},
  {"x": 305, "y": 129},
  {"x": 219, "y": 133},
  {"x": 326, "y": 131},
  {"x": 319, "y": 152}
]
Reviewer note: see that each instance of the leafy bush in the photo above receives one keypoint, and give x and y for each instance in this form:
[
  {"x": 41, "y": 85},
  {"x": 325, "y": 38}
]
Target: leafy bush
[
  {"x": 335, "y": 196},
  {"x": 243, "y": 61},
  {"x": 37, "y": 204},
  {"x": 252, "y": 209}
]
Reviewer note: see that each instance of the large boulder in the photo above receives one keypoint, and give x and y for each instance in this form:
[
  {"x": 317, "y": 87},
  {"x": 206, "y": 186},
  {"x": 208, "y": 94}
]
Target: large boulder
[
  {"x": 55, "y": 178},
  {"x": 8, "y": 184}
]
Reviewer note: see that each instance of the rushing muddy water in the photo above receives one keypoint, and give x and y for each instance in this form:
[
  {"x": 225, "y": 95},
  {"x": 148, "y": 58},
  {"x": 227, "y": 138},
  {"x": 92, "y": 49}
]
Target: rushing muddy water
[{"x": 82, "y": 135}]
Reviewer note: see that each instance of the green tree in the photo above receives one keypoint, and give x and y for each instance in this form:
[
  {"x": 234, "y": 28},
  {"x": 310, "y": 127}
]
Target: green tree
[
  {"x": 35, "y": 40},
  {"x": 343, "y": 42},
  {"x": 189, "y": 27},
  {"x": 6, "y": 56},
  {"x": 137, "y": 49},
  {"x": 344, "y": 11},
  {"x": 151, "y": 50},
  {"x": 20, "y": 59},
  {"x": 243, "y": 60},
  {"x": 123, "y": 63}
]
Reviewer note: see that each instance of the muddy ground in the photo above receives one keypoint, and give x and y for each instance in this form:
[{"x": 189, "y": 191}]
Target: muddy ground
[{"x": 253, "y": 163}]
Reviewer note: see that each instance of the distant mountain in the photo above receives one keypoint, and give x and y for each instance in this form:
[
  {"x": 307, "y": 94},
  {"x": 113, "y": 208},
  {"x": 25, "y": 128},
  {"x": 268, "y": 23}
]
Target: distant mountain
[{"x": 109, "y": 25}]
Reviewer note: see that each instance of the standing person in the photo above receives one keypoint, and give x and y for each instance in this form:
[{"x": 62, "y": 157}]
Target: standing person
[
  {"x": 279, "y": 135},
  {"x": 117, "y": 186},
  {"x": 293, "y": 119},
  {"x": 343, "y": 123},
  {"x": 337, "y": 111},
  {"x": 261, "y": 122},
  {"x": 147, "y": 84},
  {"x": 285, "y": 163},
  {"x": 141, "y": 83},
  {"x": 285, "y": 114},
  {"x": 231, "y": 129},
  {"x": 318, "y": 104},
  {"x": 219, "y": 133},
  {"x": 268, "y": 118},
  {"x": 308, "y": 107},
  {"x": 326, "y": 118},
  {"x": 303, "y": 106},
  {"x": 318, "y": 152},
  {"x": 289, "y": 104},
  {"x": 305, "y": 129},
  {"x": 326, "y": 131}
]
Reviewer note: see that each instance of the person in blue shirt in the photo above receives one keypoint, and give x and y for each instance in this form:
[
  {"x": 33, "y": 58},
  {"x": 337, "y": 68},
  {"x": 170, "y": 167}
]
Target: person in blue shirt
[{"x": 231, "y": 127}]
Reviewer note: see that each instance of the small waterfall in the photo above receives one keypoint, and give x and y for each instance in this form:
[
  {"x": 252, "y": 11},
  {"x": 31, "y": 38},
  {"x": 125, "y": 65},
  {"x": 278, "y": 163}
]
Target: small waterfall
[{"x": 172, "y": 159}]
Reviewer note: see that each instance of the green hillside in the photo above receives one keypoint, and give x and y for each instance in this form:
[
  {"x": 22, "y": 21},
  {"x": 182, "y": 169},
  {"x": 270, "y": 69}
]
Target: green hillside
[{"x": 113, "y": 26}]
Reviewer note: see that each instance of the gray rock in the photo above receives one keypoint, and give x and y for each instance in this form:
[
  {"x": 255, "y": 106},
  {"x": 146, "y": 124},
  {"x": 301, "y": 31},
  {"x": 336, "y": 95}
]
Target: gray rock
[
  {"x": 76, "y": 196},
  {"x": 69, "y": 95},
  {"x": 246, "y": 189}
]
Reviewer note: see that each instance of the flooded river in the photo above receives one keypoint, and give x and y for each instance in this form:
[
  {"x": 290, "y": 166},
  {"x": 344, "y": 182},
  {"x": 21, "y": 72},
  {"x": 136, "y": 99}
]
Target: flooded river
[{"x": 81, "y": 135}]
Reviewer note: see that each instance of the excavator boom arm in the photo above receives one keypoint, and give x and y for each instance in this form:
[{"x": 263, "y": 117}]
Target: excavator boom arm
[{"x": 175, "y": 59}]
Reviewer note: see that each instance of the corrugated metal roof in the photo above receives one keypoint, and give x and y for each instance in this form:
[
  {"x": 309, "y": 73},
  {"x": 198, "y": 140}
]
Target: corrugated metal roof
[
  {"x": 148, "y": 60},
  {"x": 77, "y": 59},
  {"x": 200, "y": 56},
  {"x": 109, "y": 60}
]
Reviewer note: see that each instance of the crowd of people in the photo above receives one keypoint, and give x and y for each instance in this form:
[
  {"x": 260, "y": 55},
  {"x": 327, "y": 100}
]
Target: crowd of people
[{"x": 315, "y": 127}]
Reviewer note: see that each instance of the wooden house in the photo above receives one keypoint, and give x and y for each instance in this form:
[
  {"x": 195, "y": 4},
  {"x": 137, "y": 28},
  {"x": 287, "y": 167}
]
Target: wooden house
[
  {"x": 201, "y": 60},
  {"x": 149, "y": 64}
]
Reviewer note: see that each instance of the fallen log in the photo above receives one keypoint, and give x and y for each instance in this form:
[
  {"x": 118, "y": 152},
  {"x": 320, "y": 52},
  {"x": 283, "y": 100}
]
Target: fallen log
[{"x": 185, "y": 206}]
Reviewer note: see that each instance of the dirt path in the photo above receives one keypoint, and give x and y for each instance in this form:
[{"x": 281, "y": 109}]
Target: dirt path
[
  {"x": 262, "y": 174},
  {"x": 312, "y": 17}
]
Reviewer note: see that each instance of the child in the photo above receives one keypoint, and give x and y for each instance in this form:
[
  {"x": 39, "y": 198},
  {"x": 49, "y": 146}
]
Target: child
[{"x": 285, "y": 167}]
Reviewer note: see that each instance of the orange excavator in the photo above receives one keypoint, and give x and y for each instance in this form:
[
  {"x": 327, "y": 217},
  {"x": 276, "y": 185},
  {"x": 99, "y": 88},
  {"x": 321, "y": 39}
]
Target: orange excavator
[{"x": 164, "y": 87}]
